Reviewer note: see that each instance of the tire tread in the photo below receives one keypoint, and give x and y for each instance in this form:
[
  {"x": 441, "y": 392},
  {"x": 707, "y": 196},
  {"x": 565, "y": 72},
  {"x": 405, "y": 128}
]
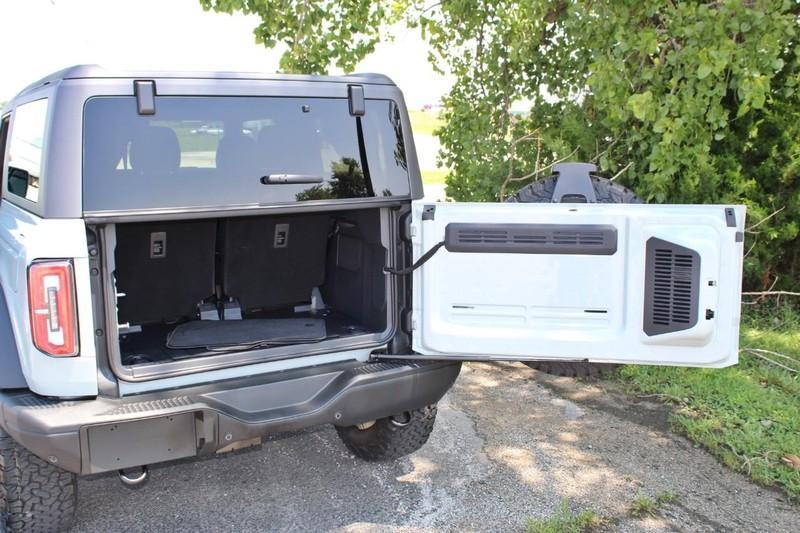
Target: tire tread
[
  {"x": 35, "y": 496},
  {"x": 385, "y": 441}
]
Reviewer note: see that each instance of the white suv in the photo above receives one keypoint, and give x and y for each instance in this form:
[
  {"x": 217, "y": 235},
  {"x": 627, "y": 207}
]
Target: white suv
[{"x": 190, "y": 262}]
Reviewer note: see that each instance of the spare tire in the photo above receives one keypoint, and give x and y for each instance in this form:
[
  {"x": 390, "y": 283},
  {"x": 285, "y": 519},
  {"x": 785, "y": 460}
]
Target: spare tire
[{"x": 606, "y": 192}]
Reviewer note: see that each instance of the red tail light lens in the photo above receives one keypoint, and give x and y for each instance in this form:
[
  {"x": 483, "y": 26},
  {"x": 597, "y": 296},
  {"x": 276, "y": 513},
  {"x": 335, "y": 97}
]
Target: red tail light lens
[{"x": 51, "y": 297}]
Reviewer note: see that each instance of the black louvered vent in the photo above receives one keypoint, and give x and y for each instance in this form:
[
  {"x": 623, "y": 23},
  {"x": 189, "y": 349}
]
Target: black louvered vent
[
  {"x": 588, "y": 239},
  {"x": 672, "y": 276}
]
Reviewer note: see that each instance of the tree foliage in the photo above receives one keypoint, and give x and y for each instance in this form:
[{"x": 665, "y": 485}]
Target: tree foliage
[
  {"x": 689, "y": 102},
  {"x": 319, "y": 34}
]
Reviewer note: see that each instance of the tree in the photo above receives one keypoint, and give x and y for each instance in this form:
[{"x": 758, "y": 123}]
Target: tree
[
  {"x": 690, "y": 101},
  {"x": 318, "y": 33},
  {"x": 696, "y": 101}
]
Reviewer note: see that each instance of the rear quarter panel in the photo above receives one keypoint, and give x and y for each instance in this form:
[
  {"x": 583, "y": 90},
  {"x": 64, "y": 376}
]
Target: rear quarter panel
[{"x": 25, "y": 237}]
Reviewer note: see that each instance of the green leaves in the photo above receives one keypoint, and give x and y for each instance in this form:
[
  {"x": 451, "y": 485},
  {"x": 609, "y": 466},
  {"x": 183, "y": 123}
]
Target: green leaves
[
  {"x": 701, "y": 97},
  {"x": 641, "y": 105},
  {"x": 703, "y": 71},
  {"x": 319, "y": 34}
]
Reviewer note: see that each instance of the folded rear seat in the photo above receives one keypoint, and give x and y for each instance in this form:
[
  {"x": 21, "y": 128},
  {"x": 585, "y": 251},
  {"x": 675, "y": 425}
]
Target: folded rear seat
[
  {"x": 274, "y": 262},
  {"x": 164, "y": 268}
]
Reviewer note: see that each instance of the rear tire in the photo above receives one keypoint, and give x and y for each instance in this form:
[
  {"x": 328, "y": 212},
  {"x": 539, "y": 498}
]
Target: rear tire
[
  {"x": 390, "y": 438},
  {"x": 606, "y": 192},
  {"x": 34, "y": 494}
]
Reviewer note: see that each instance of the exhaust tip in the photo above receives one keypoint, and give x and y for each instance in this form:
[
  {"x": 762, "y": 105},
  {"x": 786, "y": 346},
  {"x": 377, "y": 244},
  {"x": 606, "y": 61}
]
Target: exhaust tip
[{"x": 134, "y": 477}]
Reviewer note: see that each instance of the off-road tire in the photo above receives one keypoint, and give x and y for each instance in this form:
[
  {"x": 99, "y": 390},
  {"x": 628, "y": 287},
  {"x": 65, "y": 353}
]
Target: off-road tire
[
  {"x": 390, "y": 438},
  {"x": 606, "y": 192},
  {"x": 35, "y": 495}
]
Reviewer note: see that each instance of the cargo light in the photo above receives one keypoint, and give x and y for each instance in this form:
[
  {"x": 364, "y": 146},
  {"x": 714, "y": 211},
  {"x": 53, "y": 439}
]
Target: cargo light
[{"x": 51, "y": 299}]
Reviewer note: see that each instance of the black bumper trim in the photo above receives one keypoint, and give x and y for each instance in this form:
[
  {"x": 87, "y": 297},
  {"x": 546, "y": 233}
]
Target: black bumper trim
[{"x": 86, "y": 437}]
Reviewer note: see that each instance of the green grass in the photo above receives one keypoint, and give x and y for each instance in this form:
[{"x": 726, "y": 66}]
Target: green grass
[
  {"x": 663, "y": 498},
  {"x": 434, "y": 176},
  {"x": 643, "y": 505},
  {"x": 746, "y": 415},
  {"x": 565, "y": 521},
  {"x": 425, "y": 122}
]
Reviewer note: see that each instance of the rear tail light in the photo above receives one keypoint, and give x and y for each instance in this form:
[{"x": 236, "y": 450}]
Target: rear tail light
[{"x": 51, "y": 297}]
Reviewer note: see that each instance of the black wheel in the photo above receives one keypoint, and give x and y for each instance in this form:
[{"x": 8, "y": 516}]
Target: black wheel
[
  {"x": 34, "y": 495},
  {"x": 607, "y": 192},
  {"x": 390, "y": 438}
]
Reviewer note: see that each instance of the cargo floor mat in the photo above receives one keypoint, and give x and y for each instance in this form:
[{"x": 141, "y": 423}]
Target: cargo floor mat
[{"x": 216, "y": 334}]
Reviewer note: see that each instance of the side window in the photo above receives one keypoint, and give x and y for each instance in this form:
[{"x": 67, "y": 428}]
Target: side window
[
  {"x": 3, "y": 139},
  {"x": 26, "y": 149}
]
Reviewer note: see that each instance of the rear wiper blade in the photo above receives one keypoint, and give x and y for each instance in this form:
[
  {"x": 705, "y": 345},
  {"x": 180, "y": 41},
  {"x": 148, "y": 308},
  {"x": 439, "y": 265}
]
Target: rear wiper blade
[{"x": 290, "y": 179}]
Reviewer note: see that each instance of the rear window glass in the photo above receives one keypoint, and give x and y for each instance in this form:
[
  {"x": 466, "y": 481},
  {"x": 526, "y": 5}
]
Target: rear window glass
[
  {"x": 206, "y": 152},
  {"x": 24, "y": 170}
]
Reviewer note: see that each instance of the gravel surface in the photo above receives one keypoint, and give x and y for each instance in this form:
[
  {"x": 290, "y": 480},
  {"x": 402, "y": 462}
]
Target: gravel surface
[{"x": 509, "y": 444}]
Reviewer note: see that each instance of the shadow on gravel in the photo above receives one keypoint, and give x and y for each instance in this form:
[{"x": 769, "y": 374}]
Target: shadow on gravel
[{"x": 509, "y": 444}]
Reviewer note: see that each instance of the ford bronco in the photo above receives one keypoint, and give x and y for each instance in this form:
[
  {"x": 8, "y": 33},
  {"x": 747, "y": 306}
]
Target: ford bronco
[{"x": 190, "y": 262}]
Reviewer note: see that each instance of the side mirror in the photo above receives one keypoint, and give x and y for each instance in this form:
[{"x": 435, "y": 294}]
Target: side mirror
[{"x": 18, "y": 180}]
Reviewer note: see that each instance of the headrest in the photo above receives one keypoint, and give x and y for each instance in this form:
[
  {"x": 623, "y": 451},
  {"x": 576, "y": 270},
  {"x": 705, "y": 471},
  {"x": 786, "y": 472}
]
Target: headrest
[{"x": 155, "y": 149}]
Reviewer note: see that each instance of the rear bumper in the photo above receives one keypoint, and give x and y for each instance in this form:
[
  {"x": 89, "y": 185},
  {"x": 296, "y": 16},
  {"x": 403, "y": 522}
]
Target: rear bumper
[{"x": 105, "y": 434}]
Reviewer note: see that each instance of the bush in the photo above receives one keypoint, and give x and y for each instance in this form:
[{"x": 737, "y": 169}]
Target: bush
[{"x": 694, "y": 102}]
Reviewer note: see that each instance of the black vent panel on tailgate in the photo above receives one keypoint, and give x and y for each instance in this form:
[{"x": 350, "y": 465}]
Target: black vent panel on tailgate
[
  {"x": 573, "y": 239},
  {"x": 672, "y": 284}
]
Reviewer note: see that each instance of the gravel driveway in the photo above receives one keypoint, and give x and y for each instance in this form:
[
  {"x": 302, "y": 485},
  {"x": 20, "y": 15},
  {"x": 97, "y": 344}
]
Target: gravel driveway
[{"x": 509, "y": 444}]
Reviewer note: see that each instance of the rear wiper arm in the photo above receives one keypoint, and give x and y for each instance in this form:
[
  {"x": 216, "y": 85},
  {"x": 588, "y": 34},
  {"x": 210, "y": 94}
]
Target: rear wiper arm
[{"x": 290, "y": 179}]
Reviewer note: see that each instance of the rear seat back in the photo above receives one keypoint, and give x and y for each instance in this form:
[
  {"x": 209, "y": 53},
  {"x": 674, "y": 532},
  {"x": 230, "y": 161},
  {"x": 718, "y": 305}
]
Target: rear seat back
[
  {"x": 274, "y": 262},
  {"x": 164, "y": 268}
]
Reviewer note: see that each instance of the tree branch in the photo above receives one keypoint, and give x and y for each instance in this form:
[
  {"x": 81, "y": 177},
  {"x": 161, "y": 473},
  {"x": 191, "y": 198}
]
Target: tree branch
[
  {"x": 750, "y": 228},
  {"x": 618, "y": 174},
  {"x": 770, "y": 293},
  {"x": 541, "y": 170},
  {"x": 512, "y": 154},
  {"x": 756, "y": 352},
  {"x": 770, "y": 352}
]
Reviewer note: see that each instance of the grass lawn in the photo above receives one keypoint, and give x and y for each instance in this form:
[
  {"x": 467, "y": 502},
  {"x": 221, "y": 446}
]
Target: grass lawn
[
  {"x": 566, "y": 521},
  {"x": 747, "y": 415},
  {"x": 434, "y": 176},
  {"x": 424, "y": 122}
]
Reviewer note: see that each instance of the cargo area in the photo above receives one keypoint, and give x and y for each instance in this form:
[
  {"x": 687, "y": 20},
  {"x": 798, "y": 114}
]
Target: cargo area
[{"x": 187, "y": 290}]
